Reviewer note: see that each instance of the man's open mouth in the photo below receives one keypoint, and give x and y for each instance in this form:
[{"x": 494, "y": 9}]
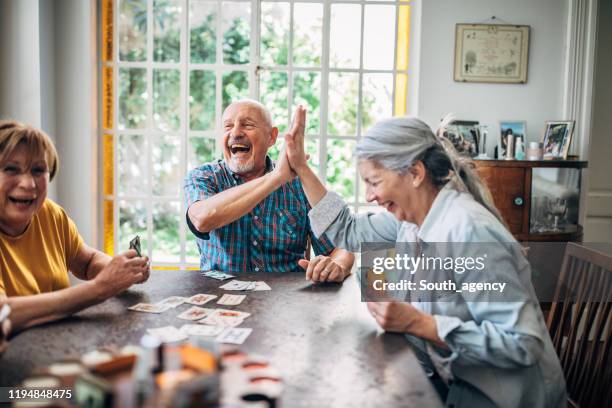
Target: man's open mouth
[{"x": 239, "y": 148}]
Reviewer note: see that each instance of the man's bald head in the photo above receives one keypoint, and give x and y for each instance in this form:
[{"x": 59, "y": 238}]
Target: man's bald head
[{"x": 263, "y": 111}]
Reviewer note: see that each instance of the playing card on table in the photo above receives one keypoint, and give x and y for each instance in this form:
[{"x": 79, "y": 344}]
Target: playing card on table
[
  {"x": 195, "y": 313},
  {"x": 225, "y": 318},
  {"x": 201, "y": 330},
  {"x": 261, "y": 285},
  {"x": 200, "y": 299},
  {"x": 217, "y": 275},
  {"x": 149, "y": 308},
  {"x": 167, "y": 334},
  {"x": 234, "y": 335},
  {"x": 173, "y": 301},
  {"x": 238, "y": 285},
  {"x": 231, "y": 300}
]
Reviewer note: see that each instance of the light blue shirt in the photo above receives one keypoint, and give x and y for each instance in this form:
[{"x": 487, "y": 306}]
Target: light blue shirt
[{"x": 501, "y": 352}]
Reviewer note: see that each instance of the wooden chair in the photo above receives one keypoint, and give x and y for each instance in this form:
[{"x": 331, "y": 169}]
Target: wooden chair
[{"x": 580, "y": 325}]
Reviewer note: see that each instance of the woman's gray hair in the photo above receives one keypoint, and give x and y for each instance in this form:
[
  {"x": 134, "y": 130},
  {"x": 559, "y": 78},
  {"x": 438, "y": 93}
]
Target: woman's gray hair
[{"x": 397, "y": 143}]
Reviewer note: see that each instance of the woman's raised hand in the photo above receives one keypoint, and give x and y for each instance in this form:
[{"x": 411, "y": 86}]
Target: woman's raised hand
[{"x": 294, "y": 141}]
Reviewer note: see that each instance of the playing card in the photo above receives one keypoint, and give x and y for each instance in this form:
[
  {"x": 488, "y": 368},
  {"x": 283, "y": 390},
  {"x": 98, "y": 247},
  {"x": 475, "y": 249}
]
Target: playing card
[
  {"x": 135, "y": 245},
  {"x": 167, "y": 334},
  {"x": 149, "y": 308},
  {"x": 261, "y": 285},
  {"x": 231, "y": 300},
  {"x": 173, "y": 301},
  {"x": 195, "y": 313},
  {"x": 201, "y": 330},
  {"x": 225, "y": 318},
  {"x": 238, "y": 285},
  {"x": 234, "y": 335},
  {"x": 200, "y": 299},
  {"x": 217, "y": 275}
]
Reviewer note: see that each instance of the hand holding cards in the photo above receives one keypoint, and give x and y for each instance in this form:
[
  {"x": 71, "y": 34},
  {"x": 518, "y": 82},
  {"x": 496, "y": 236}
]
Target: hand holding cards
[
  {"x": 135, "y": 245},
  {"x": 5, "y": 311}
]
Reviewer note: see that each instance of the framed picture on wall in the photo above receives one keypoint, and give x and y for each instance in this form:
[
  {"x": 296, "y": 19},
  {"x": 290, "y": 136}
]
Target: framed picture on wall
[
  {"x": 557, "y": 138},
  {"x": 496, "y": 53}
]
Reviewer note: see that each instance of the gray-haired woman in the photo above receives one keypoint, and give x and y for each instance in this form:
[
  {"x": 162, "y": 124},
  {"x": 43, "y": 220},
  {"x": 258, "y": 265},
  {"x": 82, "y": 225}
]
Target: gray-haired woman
[{"x": 484, "y": 353}]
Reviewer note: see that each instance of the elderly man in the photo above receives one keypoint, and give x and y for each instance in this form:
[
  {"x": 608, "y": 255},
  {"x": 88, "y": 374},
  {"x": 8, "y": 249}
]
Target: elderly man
[{"x": 250, "y": 215}]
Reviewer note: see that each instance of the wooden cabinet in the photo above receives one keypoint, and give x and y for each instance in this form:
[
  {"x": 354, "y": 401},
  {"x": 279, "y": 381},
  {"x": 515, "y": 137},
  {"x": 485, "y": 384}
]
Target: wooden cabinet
[{"x": 520, "y": 187}]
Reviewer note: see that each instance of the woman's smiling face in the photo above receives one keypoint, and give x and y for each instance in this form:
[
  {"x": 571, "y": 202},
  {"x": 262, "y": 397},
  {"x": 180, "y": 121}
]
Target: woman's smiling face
[
  {"x": 23, "y": 190},
  {"x": 389, "y": 189}
]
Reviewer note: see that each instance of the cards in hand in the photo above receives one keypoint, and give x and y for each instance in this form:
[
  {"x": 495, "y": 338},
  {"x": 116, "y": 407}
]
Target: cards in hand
[
  {"x": 135, "y": 245},
  {"x": 217, "y": 275}
]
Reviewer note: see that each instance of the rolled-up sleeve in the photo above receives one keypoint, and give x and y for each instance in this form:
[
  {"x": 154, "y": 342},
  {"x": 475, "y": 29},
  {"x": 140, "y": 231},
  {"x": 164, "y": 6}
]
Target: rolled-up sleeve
[
  {"x": 199, "y": 184},
  {"x": 332, "y": 217}
]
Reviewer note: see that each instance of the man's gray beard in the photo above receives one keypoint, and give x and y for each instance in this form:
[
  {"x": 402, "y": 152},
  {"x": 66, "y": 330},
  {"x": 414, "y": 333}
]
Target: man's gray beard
[{"x": 241, "y": 168}]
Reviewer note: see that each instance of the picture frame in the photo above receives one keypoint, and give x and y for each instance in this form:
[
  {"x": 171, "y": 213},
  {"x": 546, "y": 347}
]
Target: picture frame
[
  {"x": 465, "y": 136},
  {"x": 517, "y": 128},
  {"x": 557, "y": 138},
  {"x": 491, "y": 53}
]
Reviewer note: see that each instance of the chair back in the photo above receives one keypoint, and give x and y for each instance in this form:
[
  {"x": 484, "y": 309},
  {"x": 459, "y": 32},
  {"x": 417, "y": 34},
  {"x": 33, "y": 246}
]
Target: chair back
[{"x": 580, "y": 325}]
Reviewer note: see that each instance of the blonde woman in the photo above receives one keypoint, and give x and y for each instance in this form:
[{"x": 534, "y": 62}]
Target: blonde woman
[{"x": 39, "y": 243}]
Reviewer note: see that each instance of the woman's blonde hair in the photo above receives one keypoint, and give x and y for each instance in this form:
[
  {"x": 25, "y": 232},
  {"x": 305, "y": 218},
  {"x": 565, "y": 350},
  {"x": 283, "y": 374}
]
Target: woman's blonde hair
[{"x": 37, "y": 143}]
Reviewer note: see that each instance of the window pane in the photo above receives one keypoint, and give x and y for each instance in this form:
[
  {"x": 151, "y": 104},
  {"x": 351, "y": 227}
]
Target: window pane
[
  {"x": 342, "y": 103},
  {"x": 132, "y": 98},
  {"x": 202, "y": 91},
  {"x": 307, "y": 37},
  {"x": 166, "y": 31},
  {"x": 345, "y": 34},
  {"x": 379, "y": 37},
  {"x": 166, "y": 165},
  {"x": 377, "y": 99},
  {"x": 341, "y": 167},
  {"x": 274, "y": 151},
  {"x": 274, "y": 33},
  {"x": 235, "y": 86},
  {"x": 133, "y": 30},
  {"x": 273, "y": 95},
  {"x": 132, "y": 165},
  {"x": 201, "y": 150},
  {"x": 202, "y": 35},
  {"x": 132, "y": 222},
  {"x": 192, "y": 254},
  {"x": 166, "y": 98},
  {"x": 307, "y": 92},
  {"x": 236, "y": 26},
  {"x": 166, "y": 242}
]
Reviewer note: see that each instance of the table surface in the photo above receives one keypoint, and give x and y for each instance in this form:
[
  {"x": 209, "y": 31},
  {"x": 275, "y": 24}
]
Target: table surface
[{"x": 329, "y": 350}]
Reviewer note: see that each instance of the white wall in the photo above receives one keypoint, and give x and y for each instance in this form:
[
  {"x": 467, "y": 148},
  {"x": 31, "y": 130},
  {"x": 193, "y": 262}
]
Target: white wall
[
  {"x": 598, "y": 225},
  {"x": 537, "y": 101},
  {"x": 48, "y": 80}
]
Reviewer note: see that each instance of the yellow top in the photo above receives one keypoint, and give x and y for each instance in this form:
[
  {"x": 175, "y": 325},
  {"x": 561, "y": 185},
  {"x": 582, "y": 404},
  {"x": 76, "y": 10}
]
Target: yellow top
[{"x": 37, "y": 260}]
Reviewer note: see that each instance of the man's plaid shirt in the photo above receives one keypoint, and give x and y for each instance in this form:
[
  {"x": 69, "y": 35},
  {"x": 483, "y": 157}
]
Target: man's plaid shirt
[{"x": 270, "y": 238}]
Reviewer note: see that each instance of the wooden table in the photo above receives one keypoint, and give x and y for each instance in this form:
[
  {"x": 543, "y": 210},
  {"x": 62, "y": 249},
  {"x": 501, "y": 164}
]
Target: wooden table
[{"x": 329, "y": 350}]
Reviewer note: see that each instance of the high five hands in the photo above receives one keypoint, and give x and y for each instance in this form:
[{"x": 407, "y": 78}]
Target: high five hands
[{"x": 293, "y": 158}]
